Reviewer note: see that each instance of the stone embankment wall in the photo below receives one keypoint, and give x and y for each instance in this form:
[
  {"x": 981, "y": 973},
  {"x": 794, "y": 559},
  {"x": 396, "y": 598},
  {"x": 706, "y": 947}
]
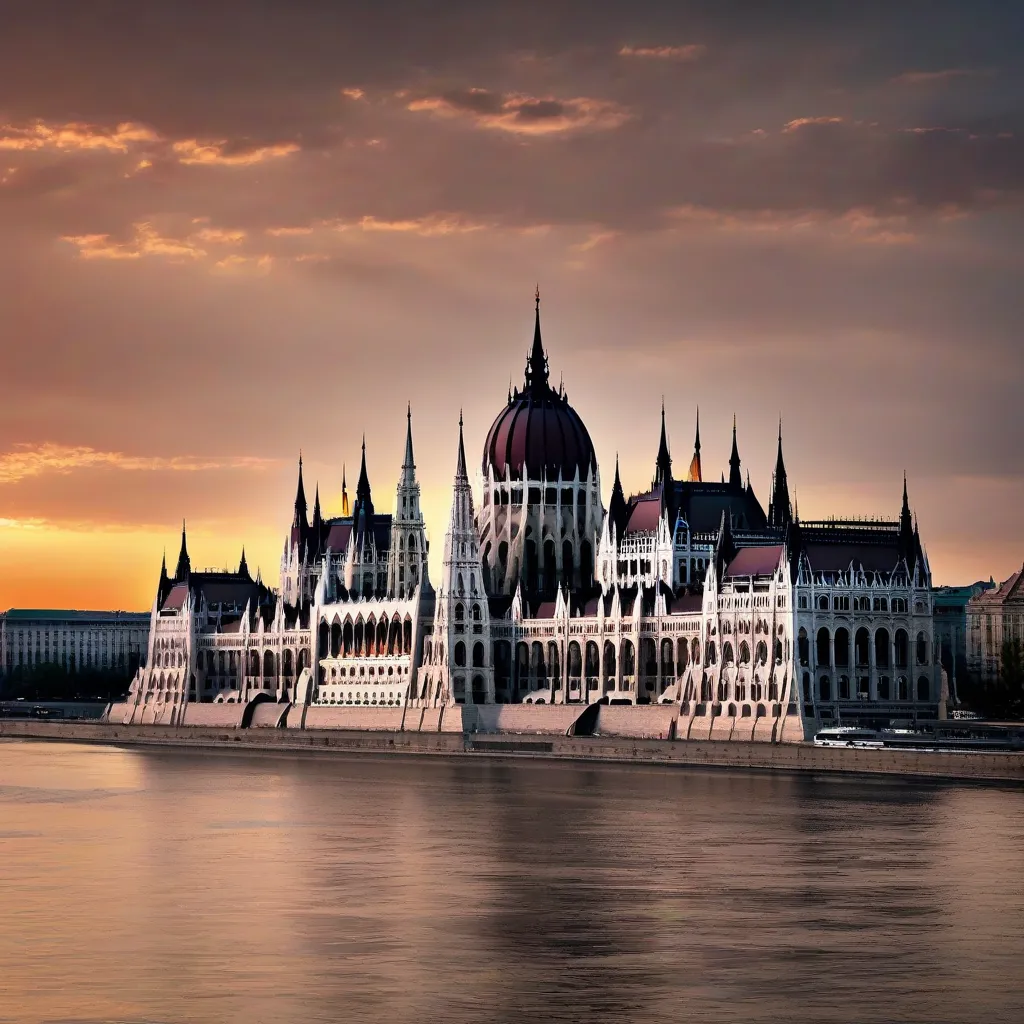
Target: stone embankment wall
[{"x": 802, "y": 757}]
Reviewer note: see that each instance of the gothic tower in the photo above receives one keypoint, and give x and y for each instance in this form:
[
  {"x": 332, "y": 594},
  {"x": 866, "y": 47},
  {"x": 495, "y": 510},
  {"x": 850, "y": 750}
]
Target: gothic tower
[
  {"x": 407, "y": 556},
  {"x": 458, "y": 665}
]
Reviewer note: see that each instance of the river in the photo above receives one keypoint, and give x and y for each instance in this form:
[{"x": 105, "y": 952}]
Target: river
[{"x": 165, "y": 886}]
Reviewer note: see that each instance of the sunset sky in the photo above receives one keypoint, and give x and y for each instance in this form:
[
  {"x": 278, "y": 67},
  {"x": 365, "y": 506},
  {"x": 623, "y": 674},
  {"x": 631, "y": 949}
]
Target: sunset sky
[{"x": 230, "y": 231}]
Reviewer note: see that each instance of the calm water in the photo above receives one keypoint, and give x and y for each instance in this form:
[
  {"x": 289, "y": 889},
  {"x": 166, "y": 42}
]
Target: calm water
[{"x": 173, "y": 886}]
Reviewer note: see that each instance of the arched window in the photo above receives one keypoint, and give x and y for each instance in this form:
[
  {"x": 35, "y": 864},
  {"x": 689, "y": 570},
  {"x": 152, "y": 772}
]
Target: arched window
[
  {"x": 628, "y": 658},
  {"x": 861, "y": 648},
  {"x": 609, "y": 658},
  {"x": 460, "y": 654},
  {"x": 460, "y": 612},
  {"x": 593, "y": 659},
  {"x": 901, "y": 645},
  {"x": 825, "y": 688},
  {"x": 842, "y": 648},
  {"x": 710, "y": 653},
  {"x": 807, "y": 686},
  {"x": 824, "y": 647},
  {"x": 882, "y": 648},
  {"x": 479, "y": 656},
  {"x": 923, "y": 689},
  {"x": 823, "y": 603},
  {"x": 575, "y": 660},
  {"x": 727, "y": 656},
  {"x": 922, "y": 654}
]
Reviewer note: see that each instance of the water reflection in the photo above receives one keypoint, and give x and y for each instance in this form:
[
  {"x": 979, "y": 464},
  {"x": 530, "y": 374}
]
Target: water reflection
[{"x": 224, "y": 887}]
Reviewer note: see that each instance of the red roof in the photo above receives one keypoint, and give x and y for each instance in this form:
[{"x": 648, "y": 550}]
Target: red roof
[
  {"x": 756, "y": 561},
  {"x": 644, "y": 513}
]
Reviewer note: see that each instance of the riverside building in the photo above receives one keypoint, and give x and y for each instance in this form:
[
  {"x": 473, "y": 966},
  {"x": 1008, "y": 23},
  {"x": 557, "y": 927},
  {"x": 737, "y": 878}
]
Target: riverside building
[
  {"x": 755, "y": 624},
  {"x": 74, "y": 640}
]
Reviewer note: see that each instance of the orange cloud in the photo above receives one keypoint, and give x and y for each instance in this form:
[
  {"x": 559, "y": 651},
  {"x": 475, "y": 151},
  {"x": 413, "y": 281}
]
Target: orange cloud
[
  {"x": 689, "y": 52},
  {"x": 75, "y": 135},
  {"x": 192, "y": 151},
  {"x": 802, "y": 122},
  {"x": 148, "y": 241},
  {"x": 353, "y": 93},
  {"x": 426, "y": 226},
  {"x": 522, "y": 114},
  {"x": 30, "y": 461}
]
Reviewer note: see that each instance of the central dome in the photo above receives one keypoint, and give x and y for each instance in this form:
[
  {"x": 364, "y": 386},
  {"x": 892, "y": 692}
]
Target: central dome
[{"x": 538, "y": 434}]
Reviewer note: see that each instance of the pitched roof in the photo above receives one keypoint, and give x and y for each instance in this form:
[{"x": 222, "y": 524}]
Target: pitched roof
[{"x": 755, "y": 561}]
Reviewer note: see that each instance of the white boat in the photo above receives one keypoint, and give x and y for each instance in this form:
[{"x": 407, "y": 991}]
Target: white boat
[{"x": 848, "y": 736}]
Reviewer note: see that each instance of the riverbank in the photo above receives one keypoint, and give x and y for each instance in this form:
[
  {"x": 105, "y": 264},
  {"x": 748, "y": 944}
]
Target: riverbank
[{"x": 800, "y": 757}]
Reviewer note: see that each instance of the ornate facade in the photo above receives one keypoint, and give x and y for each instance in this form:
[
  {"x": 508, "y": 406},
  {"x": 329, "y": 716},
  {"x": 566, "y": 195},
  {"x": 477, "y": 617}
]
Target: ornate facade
[{"x": 753, "y": 623}]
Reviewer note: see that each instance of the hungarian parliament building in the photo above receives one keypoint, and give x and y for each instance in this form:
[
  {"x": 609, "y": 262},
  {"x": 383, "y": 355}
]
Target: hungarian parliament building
[{"x": 755, "y": 624}]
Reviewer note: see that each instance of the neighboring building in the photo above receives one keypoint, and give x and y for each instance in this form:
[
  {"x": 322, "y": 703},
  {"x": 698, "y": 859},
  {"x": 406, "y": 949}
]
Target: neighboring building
[
  {"x": 72, "y": 639},
  {"x": 754, "y": 623},
  {"x": 950, "y": 604},
  {"x": 994, "y": 617}
]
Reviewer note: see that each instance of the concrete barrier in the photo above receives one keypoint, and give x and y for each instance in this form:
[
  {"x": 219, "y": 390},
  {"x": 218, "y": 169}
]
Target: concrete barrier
[
  {"x": 800, "y": 757},
  {"x": 764, "y": 729},
  {"x": 370, "y": 719},
  {"x": 655, "y": 721},
  {"x": 536, "y": 719},
  {"x": 223, "y": 716}
]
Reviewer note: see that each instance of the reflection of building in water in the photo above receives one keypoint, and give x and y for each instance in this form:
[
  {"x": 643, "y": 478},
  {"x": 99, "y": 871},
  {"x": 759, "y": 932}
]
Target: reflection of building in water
[
  {"x": 755, "y": 623},
  {"x": 995, "y": 616}
]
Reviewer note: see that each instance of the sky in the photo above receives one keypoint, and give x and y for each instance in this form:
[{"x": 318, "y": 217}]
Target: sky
[{"x": 231, "y": 231}]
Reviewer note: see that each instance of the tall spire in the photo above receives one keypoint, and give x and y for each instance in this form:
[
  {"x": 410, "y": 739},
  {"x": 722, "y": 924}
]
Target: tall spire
[
  {"x": 617, "y": 508},
  {"x": 318, "y": 520},
  {"x": 243, "y": 566},
  {"x": 363, "y": 509},
  {"x": 460, "y": 468},
  {"x": 346, "y": 508},
  {"x": 407, "y": 555},
  {"x": 780, "y": 511},
  {"x": 694, "y": 474},
  {"x": 735, "y": 478},
  {"x": 906, "y": 524},
  {"x": 663, "y": 465},
  {"x": 410, "y": 462},
  {"x": 184, "y": 566},
  {"x": 299, "y": 519},
  {"x": 537, "y": 364}
]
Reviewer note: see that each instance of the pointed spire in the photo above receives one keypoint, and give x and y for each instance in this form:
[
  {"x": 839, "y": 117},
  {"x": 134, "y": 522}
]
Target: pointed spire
[
  {"x": 735, "y": 478},
  {"x": 363, "y": 510},
  {"x": 346, "y": 508},
  {"x": 780, "y": 512},
  {"x": 694, "y": 475},
  {"x": 184, "y": 566},
  {"x": 409, "y": 463},
  {"x": 537, "y": 364},
  {"x": 460, "y": 468},
  {"x": 318, "y": 520},
  {"x": 299, "y": 519},
  {"x": 243, "y": 566},
  {"x": 617, "y": 508},
  {"x": 906, "y": 525},
  {"x": 663, "y": 464}
]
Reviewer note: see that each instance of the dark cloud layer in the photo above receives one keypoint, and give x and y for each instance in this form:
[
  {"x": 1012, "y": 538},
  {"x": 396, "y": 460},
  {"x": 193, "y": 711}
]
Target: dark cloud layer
[{"x": 229, "y": 230}]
